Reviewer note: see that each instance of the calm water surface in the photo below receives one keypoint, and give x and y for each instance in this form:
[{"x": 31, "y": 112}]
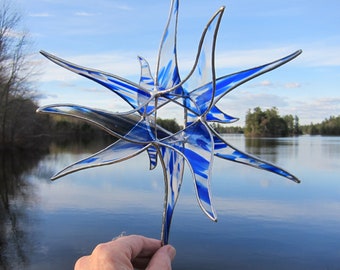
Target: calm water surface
[{"x": 264, "y": 221}]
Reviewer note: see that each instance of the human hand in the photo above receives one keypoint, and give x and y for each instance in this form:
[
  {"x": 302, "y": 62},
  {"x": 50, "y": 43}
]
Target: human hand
[{"x": 127, "y": 253}]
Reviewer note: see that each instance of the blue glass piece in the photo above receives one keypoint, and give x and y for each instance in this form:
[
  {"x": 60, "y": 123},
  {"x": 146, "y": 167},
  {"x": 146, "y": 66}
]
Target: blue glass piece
[
  {"x": 216, "y": 115},
  {"x": 116, "y": 152},
  {"x": 127, "y": 90},
  {"x": 197, "y": 94},
  {"x": 147, "y": 82},
  {"x": 198, "y": 152},
  {"x": 173, "y": 166},
  {"x": 152, "y": 153}
]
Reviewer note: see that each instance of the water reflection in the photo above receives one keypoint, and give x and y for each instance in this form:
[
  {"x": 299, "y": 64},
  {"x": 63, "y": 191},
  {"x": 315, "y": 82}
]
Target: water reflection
[
  {"x": 265, "y": 221},
  {"x": 17, "y": 196},
  {"x": 271, "y": 148}
]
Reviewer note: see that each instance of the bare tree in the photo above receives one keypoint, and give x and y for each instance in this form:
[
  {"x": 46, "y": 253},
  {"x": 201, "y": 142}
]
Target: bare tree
[{"x": 15, "y": 89}]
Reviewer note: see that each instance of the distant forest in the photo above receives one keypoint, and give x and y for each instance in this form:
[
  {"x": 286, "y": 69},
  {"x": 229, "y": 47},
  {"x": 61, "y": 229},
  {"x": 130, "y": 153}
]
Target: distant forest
[{"x": 269, "y": 123}]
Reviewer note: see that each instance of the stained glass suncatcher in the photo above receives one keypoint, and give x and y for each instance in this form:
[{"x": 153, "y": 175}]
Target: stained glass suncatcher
[{"x": 197, "y": 94}]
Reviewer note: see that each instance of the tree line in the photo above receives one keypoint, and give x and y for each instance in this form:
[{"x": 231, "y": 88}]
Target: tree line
[
  {"x": 330, "y": 126},
  {"x": 269, "y": 123}
]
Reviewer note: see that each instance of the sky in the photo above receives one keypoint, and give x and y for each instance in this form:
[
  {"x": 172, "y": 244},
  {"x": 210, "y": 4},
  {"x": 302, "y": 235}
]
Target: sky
[{"x": 109, "y": 35}]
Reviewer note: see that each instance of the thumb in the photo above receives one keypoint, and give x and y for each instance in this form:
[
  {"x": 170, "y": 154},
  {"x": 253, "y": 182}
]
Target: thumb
[{"x": 162, "y": 258}]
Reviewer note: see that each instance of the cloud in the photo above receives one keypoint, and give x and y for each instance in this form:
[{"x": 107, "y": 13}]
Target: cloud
[
  {"x": 42, "y": 96},
  {"x": 124, "y": 7},
  {"x": 14, "y": 34},
  {"x": 42, "y": 14},
  {"x": 321, "y": 55},
  {"x": 307, "y": 109},
  {"x": 66, "y": 195},
  {"x": 121, "y": 63},
  {"x": 313, "y": 55},
  {"x": 264, "y": 83},
  {"x": 249, "y": 99},
  {"x": 251, "y": 58},
  {"x": 269, "y": 84},
  {"x": 84, "y": 14},
  {"x": 317, "y": 109},
  {"x": 291, "y": 85}
]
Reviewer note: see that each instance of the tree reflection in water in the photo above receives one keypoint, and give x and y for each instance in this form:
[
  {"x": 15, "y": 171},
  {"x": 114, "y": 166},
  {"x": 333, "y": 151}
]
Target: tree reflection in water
[
  {"x": 271, "y": 148},
  {"x": 16, "y": 198}
]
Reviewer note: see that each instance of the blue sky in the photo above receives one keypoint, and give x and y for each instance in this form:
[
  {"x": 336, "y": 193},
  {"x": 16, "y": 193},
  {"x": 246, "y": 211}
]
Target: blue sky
[{"x": 109, "y": 34}]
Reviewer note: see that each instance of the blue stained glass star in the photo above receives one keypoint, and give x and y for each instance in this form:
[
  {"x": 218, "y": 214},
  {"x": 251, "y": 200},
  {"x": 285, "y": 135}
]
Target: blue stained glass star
[{"x": 197, "y": 94}]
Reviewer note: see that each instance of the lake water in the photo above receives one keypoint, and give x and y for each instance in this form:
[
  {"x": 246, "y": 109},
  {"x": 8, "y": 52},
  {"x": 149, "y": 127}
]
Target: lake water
[{"x": 264, "y": 220}]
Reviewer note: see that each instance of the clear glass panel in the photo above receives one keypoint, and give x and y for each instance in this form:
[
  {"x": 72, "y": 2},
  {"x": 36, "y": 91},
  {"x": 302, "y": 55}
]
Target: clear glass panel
[
  {"x": 117, "y": 125},
  {"x": 200, "y": 85},
  {"x": 167, "y": 68}
]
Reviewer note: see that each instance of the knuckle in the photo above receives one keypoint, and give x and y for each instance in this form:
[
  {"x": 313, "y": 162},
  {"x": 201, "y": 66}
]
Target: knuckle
[{"x": 101, "y": 250}]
